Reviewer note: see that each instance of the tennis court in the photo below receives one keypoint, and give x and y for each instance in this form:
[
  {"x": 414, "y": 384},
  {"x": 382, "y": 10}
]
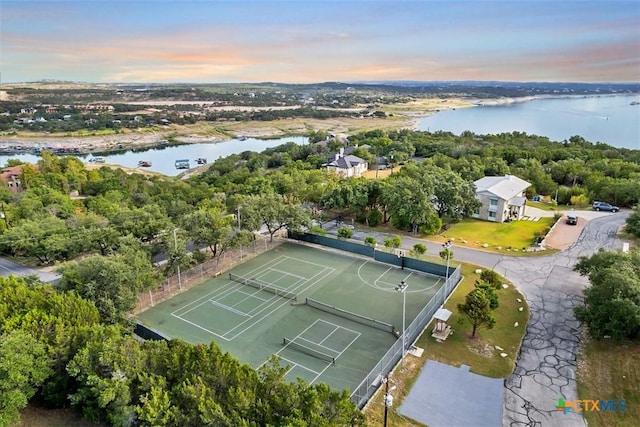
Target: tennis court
[{"x": 329, "y": 316}]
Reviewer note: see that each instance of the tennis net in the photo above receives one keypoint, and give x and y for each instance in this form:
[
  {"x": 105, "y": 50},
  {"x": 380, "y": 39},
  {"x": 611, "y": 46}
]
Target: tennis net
[
  {"x": 384, "y": 326},
  {"x": 255, "y": 283},
  {"x": 308, "y": 350}
]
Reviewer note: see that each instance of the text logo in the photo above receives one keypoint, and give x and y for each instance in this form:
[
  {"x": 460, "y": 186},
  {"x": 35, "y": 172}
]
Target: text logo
[{"x": 589, "y": 405}]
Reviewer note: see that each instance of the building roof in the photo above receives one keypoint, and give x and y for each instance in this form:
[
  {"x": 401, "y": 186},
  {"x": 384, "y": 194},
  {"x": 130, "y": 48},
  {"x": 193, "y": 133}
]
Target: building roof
[
  {"x": 442, "y": 314},
  {"x": 505, "y": 187},
  {"x": 346, "y": 162}
]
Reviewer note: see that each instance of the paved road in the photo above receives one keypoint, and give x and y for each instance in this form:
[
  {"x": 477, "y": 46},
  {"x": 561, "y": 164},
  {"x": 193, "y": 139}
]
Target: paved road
[
  {"x": 8, "y": 268},
  {"x": 546, "y": 366}
]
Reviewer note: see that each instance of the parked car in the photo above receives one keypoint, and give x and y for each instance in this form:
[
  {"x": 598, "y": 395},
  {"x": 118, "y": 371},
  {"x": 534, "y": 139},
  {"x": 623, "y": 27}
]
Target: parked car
[
  {"x": 572, "y": 219},
  {"x": 602, "y": 206}
]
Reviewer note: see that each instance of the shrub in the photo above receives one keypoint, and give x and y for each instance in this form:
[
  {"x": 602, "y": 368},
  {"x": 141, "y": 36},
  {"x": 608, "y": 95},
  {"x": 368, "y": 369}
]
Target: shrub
[
  {"x": 370, "y": 241},
  {"x": 375, "y": 216},
  {"x": 431, "y": 226},
  {"x": 419, "y": 248},
  {"x": 492, "y": 278},
  {"x": 393, "y": 242},
  {"x": 345, "y": 233},
  {"x": 318, "y": 230},
  {"x": 580, "y": 200}
]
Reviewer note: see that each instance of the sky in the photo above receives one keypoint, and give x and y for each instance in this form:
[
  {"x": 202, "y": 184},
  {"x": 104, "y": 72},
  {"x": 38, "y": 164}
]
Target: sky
[{"x": 309, "y": 41}]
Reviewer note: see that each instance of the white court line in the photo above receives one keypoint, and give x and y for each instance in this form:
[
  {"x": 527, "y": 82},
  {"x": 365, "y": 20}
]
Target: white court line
[
  {"x": 230, "y": 284},
  {"x": 348, "y": 345},
  {"x": 332, "y": 332},
  {"x": 288, "y": 274},
  {"x": 375, "y": 282},
  {"x": 226, "y": 307},
  {"x": 310, "y": 285},
  {"x": 318, "y": 344},
  {"x": 251, "y": 295},
  {"x": 230, "y": 292},
  {"x": 197, "y": 326},
  {"x": 308, "y": 262},
  {"x": 320, "y": 374},
  {"x": 338, "y": 326}
]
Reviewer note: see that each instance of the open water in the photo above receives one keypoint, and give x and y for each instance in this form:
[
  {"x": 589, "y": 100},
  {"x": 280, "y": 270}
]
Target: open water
[
  {"x": 163, "y": 158},
  {"x": 611, "y": 120}
]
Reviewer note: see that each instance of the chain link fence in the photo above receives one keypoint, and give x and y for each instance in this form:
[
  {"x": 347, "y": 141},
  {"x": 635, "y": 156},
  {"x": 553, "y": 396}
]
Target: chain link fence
[
  {"x": 373, "y": 380},
  {"x": 202, "y": 272}
]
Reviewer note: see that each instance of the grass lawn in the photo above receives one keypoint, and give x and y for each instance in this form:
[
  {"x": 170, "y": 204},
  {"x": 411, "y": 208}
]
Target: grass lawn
[
  {"x": 373, "y": 174},
  {"x": 478, "y": 353},
  {"x": 609, "y": 370},
  {"x": 544, "y": 206},
  {"x": 515, "y": 235}
]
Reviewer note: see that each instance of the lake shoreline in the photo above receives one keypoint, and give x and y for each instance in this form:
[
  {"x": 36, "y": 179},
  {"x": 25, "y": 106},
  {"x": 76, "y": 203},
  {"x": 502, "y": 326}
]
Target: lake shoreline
[{"x": 85, "y": 145}]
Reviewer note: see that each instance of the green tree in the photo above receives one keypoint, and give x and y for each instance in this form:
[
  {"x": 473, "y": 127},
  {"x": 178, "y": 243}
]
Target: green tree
[
  {"x": 490, "y": 292},
  {"x": 269, "y": 210},
  {"x": 110, "y": 282},
  {"x": 24, "y": 366},
  {"x": 491, "y": 277},
  {"x": 209, "y": 227},
  {"x": 612, "y": 301},
  {"x": 409, "y": 203},
  {"x": 633, "y": 222},
  {"x": 477, "y": 309}
]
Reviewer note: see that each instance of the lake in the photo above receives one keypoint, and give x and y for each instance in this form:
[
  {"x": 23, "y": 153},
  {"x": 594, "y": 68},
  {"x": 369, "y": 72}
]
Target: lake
[
  {"x": 163, "y": 158},
  {"x": 608, "y": 119}
]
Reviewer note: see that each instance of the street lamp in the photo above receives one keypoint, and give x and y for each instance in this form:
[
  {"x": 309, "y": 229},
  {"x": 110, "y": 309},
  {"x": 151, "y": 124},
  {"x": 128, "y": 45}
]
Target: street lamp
[
  {"x": 447, "y": 247},
  {"x": 402, "y": 288}
]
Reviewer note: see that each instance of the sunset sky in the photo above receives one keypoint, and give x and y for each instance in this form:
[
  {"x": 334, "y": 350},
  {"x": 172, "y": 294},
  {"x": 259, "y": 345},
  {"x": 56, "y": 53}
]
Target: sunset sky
[{"x": 306, "y": 41}]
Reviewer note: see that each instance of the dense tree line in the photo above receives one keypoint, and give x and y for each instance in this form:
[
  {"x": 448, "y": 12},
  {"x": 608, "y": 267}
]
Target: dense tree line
[{"x": 55, "y": 351}]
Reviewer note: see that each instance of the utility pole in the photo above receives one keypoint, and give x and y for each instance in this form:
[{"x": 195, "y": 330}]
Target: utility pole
[
  {"x": 175, "y": 248},
  {"x": 388, "y": 398}
]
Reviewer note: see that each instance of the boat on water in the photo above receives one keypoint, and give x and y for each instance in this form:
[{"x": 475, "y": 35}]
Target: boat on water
[
  {"x": 144, "y": 164},
  {"x": 96, "y": 160},
  {"x": 182, "y": 164},
  {"x": 201, "y": 161}
]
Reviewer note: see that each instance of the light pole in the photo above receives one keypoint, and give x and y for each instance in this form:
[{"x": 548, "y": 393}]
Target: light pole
[
  {"x": 447, "y": 247},
  {"x": 402, "y": 288}
]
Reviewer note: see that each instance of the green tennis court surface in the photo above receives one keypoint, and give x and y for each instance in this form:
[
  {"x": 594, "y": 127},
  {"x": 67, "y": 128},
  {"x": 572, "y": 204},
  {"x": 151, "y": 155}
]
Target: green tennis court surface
[{"x": 329, "y": 316}]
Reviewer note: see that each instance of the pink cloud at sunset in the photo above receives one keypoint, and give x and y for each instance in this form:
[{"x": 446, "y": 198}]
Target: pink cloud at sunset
[{"x": 302, "y": 42}]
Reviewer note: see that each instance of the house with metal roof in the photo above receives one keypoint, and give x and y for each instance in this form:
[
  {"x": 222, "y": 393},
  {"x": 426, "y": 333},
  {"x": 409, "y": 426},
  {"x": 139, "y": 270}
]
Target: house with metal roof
[{"x": 502, "y": 197}]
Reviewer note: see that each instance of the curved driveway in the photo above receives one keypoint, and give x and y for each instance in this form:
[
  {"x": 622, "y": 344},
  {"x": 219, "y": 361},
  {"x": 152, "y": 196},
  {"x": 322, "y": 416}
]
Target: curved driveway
[{"x": 546, "y": 366}]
